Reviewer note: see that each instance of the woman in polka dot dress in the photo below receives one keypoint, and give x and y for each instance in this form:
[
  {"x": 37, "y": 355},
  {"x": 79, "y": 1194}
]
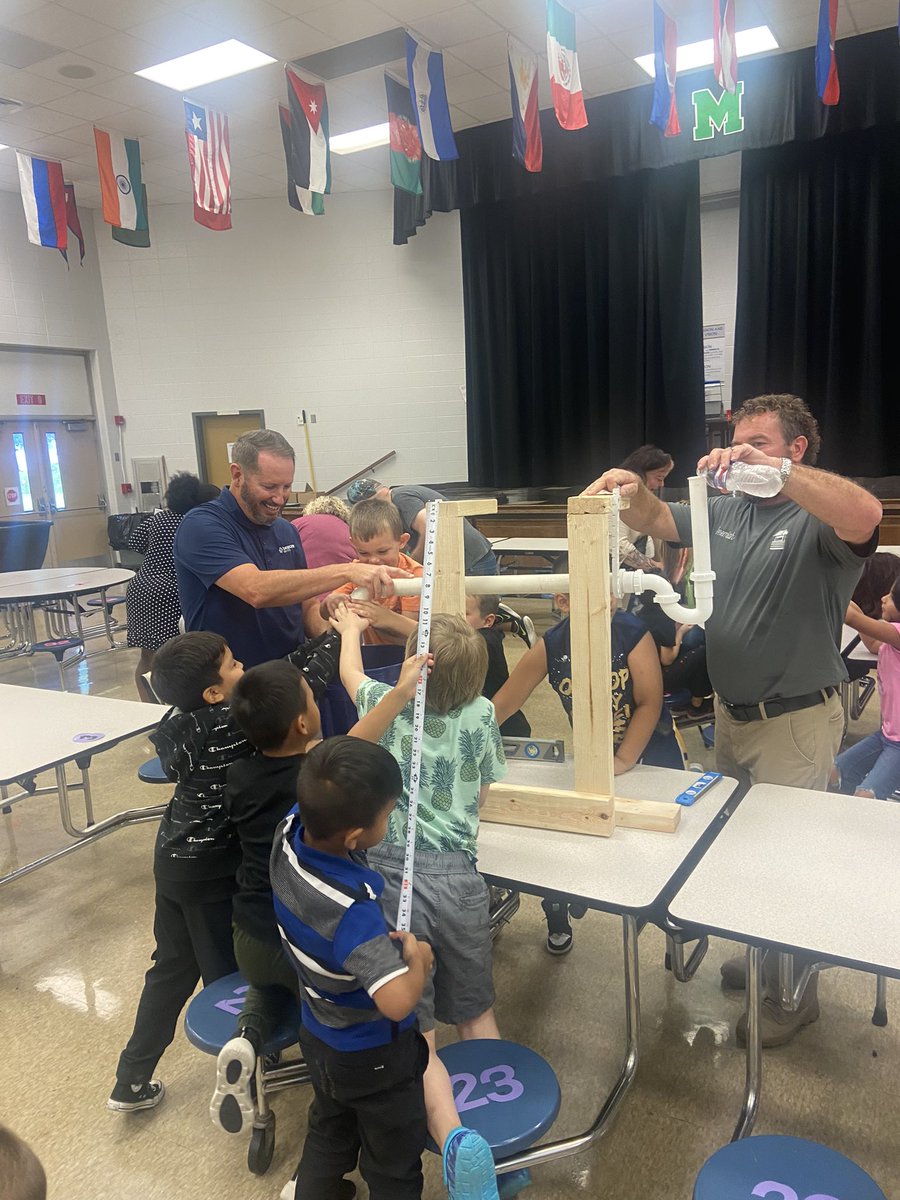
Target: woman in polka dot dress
[{"x": 151, "y": 599}]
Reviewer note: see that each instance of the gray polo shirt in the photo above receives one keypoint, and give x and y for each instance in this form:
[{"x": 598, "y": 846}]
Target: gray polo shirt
[
  {"x": 783, "y": 582},
  {"x": 412, "y": 499}
]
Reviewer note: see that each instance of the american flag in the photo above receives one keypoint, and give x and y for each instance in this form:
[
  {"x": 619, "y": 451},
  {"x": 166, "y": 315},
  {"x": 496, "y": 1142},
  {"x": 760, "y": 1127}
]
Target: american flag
[{"x": 208, "y": 150}]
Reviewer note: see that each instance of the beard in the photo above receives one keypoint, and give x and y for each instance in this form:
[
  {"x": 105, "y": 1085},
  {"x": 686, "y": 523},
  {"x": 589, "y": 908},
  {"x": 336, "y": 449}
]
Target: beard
[{"x": 259, "y": 512}]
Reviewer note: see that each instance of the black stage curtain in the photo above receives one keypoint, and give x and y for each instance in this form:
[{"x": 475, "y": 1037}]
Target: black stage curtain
[
  {"x": 779, "y": 105},
  {"x": 583, "y": 316},
  {"x": 818, "y": 306}
]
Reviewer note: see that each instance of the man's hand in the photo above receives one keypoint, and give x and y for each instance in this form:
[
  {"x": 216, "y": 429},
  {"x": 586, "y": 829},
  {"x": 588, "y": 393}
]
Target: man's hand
[
  {"x": 723, "y": 456},
  {"x": 414, "y": 950},
  {"x": 379, "y": 581},
  {"x": 347, "y": 622},
  {"x": 615, "y": 478},
  {"x": 409, "y": 674}
]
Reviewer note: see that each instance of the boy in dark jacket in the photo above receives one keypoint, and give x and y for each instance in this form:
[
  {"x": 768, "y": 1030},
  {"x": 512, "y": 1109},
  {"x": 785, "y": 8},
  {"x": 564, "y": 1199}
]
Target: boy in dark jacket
[{"x": 196, "y": 855}]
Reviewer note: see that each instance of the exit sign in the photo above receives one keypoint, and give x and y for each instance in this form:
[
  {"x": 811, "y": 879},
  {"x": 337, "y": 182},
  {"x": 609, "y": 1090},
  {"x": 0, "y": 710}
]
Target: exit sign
[{"x": 29, "y": 398}]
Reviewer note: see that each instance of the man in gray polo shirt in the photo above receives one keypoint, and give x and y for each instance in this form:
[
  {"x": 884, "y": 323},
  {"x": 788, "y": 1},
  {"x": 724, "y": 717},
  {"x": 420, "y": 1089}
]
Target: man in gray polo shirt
[
  {"x": 411, "y": 499},
  {"x": 785, "y": 570}
]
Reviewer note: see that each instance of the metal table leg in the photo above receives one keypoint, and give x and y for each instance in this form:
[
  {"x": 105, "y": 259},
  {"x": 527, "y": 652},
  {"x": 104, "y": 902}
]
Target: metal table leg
[
  {"x": 574, "y": 1145},
  {"x": 754, "y": 1046}
]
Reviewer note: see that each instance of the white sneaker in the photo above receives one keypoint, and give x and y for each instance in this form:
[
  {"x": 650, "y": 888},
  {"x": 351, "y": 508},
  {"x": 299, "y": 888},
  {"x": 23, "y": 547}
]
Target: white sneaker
[{"x": 233, "y": 1105}]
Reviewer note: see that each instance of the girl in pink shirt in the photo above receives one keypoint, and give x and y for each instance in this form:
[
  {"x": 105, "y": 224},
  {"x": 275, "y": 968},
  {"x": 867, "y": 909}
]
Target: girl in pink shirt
[{"x": 872, "y": 766}]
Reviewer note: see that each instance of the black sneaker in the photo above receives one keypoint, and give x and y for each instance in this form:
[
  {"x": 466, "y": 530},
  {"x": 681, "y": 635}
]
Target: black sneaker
[
  {"x": 559, "y": 931},
  {"x": 346, "y": 1189},
  {"x": 130, "y": 1097}
]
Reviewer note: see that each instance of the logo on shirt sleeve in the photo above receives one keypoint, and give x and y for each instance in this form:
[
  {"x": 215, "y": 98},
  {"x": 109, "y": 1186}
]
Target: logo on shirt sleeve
[{"x": 779, "y": 540}]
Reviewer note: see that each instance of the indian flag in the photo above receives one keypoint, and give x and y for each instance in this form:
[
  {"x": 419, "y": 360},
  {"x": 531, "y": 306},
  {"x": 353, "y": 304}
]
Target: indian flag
[
  {"x": 119, "y": 164},
  {"x": 565, "y": 82}
]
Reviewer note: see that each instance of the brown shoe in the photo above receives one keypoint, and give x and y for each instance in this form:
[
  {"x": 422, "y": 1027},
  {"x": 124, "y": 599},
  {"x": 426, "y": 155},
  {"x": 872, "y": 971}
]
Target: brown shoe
[
  {"x": 734, "y": 973},
  {"x": 777, "y": 1025}
]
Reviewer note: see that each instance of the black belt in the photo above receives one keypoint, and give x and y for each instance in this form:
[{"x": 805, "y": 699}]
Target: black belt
[{"x": 767, "y": 709}]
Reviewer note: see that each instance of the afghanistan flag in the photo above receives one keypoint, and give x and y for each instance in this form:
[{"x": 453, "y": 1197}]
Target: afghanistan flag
[
  {"x": 406, "y": 148},
  {"x": 565, "y": 80},
  {"x": 309, "y": 133},
  {"x": 301, "y": 199}
]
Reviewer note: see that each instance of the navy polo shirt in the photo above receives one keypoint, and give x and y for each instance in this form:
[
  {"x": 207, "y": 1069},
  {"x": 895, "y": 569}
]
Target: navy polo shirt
[{"x": 212, "y": 540}]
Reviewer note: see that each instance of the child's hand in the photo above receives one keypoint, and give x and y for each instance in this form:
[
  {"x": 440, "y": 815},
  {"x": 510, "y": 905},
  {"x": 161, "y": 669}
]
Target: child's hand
[
  {"x": 413, "y": 949},
  {"x": 409, "y": 674},
  {"x": 346, "y": 621},
  {"x": 370, "y": 611}
]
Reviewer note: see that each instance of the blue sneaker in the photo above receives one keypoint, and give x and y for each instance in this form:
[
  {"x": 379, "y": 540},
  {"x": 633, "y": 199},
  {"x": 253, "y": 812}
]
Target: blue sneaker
[
  {"x": 513, "y": 1182},
  {"x": 469, "y": 1166}
]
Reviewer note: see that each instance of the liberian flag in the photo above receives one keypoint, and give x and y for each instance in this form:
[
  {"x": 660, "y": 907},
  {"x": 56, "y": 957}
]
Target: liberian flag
[
  {"x": 309, "y": 132},
  {"x": 209, "y": 153},
  {"x": 301, "y": 199},
  {"x": 665, "y": 42},
  {"x": 565, "y": 81},
  {"x": 406, "y": 148},
  {"x": 119, "y": 164},
  {"x": 44, "y": 200},
  {"x": 724, "y": 47},
  {"x": 827, "y": 83},
  {"x": 527, "y": 147},
  {"x": 425, "y": 72}
]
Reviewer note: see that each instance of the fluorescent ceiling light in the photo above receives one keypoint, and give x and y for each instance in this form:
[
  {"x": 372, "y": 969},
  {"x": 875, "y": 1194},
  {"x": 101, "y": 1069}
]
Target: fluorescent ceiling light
[
  {"x": 361, "y": 139},
  {"x": 205, "y": 66},
  {"x": 700, "y": 54},
  {"x": 3, "y": 146}
]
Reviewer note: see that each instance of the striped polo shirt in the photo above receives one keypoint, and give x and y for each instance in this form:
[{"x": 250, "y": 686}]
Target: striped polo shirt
[{"x": 334, "y": 933}]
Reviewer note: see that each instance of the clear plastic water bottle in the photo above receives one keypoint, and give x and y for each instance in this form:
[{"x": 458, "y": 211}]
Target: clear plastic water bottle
[{"x": 751, "y": 479}]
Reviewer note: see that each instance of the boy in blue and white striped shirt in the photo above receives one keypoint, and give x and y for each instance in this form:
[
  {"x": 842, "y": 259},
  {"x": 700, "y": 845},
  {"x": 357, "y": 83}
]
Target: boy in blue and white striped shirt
[{"x": 359, "y": 983}]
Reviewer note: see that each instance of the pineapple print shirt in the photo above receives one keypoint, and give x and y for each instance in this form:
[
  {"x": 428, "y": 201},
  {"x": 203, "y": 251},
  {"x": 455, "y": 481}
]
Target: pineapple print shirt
[{"x": 460, "y": 752}]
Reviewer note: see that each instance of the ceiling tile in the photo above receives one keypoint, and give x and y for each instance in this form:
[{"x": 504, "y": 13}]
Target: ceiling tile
[
  {"x": 457, "y": 25},
  {"x": 29, "y": 88},
  {"x": 350, "y": 20},
  {"x": 59, "y": 26},
  {"x": 470, "y": 87},
  {"x": 460, "y": 119},
  {"x": 510, "y": 13},
  {"x": 14, "y": 8},
  {"x": 122, "y": 51},
  {"x": 616, "y": 77},
  {"x": 54, "y": 146},
  {"x": 874, "y": 14},
  {"x": 491, "y": 51},
  {"x": 118, "y": 14},
  {"x": 488, "y": 108},
  {"x": 132, "y": 91},
  {"x": 44, "y": 120},
  {"x": 86, "y": 106},
  {"x": 176, "y": 34},
  {"x": 598, "y": 52},
  {"x": 20, "y": 51},
  {"x": 292, "y": 39},
  {"x": 50, "y": 70}
]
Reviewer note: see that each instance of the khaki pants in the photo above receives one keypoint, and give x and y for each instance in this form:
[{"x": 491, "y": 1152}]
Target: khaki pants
[{"x": 796, "y": 749}]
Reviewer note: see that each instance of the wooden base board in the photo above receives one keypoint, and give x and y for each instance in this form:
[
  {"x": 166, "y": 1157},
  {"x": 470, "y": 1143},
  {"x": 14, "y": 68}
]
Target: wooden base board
[{"x": 575, "y": 812}]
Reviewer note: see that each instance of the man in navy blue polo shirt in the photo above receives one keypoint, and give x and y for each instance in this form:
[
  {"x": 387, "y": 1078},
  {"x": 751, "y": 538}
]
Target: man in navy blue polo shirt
[{"x": 240, "y": 566}]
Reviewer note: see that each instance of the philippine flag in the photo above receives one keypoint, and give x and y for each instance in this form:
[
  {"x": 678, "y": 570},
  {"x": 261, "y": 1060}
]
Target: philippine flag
[
  {"x": 665, "y": 43},
  {"x": 527, "y": 146},
  {"x": 827, "y": 83},
  {"x": 425, "y": 73},
  {"x": 44, "y": 200}
]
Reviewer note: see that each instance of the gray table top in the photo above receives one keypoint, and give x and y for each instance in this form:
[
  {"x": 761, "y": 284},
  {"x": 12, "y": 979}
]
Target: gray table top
[
  {"x": 52, "y": 582},
  {"x": 806, "y": 870},
  {"x": 41, "y": 729},
  {"x": 625, "y": 872}
]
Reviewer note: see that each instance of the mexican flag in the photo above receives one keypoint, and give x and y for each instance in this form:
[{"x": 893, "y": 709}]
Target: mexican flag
[{"x": 565, "y": 82}]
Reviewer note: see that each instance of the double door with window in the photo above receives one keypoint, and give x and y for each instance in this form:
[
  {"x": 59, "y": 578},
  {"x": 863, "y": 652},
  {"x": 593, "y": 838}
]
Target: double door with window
[{"x": 51, "y": 470}]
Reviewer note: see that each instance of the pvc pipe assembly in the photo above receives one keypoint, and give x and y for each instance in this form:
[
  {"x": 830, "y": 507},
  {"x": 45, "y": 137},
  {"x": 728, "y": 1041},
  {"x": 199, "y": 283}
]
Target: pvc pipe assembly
[{"x": 630, "y": 582}]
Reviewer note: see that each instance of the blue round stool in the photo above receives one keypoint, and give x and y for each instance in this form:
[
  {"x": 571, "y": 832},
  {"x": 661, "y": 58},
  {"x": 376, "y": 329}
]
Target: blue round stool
[
  {"x": 152, "y": 771},
  {"x": 782, "y": 1168},
  {"x": 210, "y": 1022},
  {"x": 504, "y": 1091}
]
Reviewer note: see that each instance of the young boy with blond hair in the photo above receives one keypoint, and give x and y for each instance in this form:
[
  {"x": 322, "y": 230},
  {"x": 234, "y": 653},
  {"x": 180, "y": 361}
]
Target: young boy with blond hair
[
  {"x": 462, "y": 755},
  {"x": 376, "y": 531}
]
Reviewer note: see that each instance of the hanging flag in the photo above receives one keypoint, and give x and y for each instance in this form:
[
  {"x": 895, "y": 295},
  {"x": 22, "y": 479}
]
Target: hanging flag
[
  {"x": 425, "y": 72},
  {"x": 565, "y": 81},
  {"x": 209, "y": 153},
  {"x": 664, "y": 113},
  {"x": 406, "y": 148},
  {"x": 527, "y": 146},
  {"x": 302, "y": 199},
  {"x": 309, "y": 130},
  {"x": 119, "y": 164},
  {"x": 44, "y": 200},
  {"x": 827, "y": 83},
  {"x": 724, "y": 46},
  {"x": 73, "y": 221},
  {"x": 139, "y": 237}
]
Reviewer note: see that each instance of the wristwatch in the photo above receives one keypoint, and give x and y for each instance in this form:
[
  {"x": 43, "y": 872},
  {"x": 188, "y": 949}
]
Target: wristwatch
[{"x": 785, "y": 469}]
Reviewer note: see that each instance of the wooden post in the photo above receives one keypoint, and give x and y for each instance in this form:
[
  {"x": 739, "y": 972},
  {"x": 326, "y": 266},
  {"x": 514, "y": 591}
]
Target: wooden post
[
  {"x": 589, "y": 618},
  {"x": 449, "y": 558}
]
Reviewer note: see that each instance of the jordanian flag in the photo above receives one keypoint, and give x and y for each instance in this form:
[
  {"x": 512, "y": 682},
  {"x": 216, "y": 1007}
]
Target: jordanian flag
[
  {"x": 565, "y": 81},
  {"x": 406, "y": 148},
  {"x": 312, "y": 204},
  {"x": 309, "y": 133}
]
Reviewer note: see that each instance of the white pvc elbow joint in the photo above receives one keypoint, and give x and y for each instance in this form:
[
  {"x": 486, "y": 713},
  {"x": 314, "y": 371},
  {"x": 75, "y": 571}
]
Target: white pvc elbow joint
[{"x": 667, "y": 598}]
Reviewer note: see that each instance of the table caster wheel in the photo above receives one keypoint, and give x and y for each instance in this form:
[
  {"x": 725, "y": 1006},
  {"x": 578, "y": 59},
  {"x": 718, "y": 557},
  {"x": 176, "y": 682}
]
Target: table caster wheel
[{"x": 262, "y": 1145}]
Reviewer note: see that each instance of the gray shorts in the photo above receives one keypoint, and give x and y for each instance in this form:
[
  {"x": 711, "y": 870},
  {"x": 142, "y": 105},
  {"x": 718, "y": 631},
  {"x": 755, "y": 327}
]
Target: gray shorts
[{"x": 450, "y": 912}]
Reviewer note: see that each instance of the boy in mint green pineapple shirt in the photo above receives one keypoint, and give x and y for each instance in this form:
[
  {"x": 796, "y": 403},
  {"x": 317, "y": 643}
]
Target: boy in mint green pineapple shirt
[{"x": 462, "y": 754}]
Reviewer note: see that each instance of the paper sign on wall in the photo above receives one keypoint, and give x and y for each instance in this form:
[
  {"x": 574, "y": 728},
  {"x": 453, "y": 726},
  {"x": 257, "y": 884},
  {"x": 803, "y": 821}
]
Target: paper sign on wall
[
  {"x": 12, "y": 495},
  {"x": 713, "y": 353}
]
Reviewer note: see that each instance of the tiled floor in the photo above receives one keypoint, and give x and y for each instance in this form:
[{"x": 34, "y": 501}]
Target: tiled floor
[{"x": 74, "y": 942}]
